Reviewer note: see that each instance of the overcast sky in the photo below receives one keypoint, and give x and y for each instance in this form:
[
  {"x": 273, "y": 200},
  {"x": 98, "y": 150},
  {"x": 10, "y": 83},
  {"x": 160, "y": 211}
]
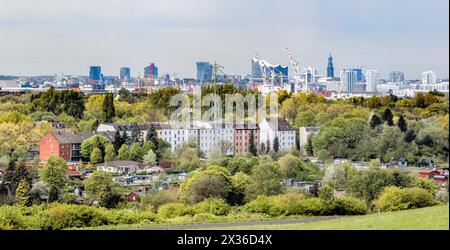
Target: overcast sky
[{"x": 48, "y": 36}]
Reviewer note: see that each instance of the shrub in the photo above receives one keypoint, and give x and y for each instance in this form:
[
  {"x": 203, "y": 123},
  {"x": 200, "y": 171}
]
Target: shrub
[
  {"x": 212, "y": 206},
  {"x": 68, "y": 198},
  {"x": 13, "y": 218},
  {"x": 264, "y": 205},
  {"x": 172, "y": 210},
  {"x": 394, "y": 198},
  {"x": 442, "y": 195},
  {"x": 68, "y": 216},
  {"x": 129, "y": 217},
  {"x": 310, "y": 206},
  {"x": 345, "y": 206}
]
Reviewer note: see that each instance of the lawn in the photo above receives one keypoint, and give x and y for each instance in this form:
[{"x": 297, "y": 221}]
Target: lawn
[{"x": 430, "y": 218}]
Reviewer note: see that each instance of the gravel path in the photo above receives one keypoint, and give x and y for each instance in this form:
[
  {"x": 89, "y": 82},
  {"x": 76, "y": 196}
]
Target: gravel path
[{"x": 243, "y": 223}]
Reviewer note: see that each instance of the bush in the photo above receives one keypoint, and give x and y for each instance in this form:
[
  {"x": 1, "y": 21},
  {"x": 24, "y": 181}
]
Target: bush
[
  {"x": 129, "y": 217},
  {"x": 345, "y": 206},
  {"x": 172, "y": 210},
  {"x": 442, "y": 195},
  {"x": 394, "y": 199},
  {"x": 68, "y": 198},
  {"x": 212, "y": 206},
  {"x": 264, "y": 205},
  {"x": 13, "y": 218},
  {"x": 310, "y": 206},
  {"x": 68, "y": 216}
]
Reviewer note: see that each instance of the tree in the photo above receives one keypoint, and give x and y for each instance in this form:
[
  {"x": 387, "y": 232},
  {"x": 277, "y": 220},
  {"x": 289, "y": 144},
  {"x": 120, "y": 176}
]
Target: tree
[
  {"x": 136, "y": 153},
  {"x": 108, "y": 110},
  {"x": 401, "y": 123},
  {"x": 309, "y": 146},
  {"x": 335, "y": 177},
  {"x": 375, "y": 121},
  {"x": 410, "y": 136},
  {"x": 53, "y": 174},
  {"x": 150, "y": 157},
  {"x": 96, "y": 141},
  {"x": 390, "y": 143},
  {"x": 265, "y": 180},
  {"x": 289, "y": 165},
  {"x": 110, "y": 155},
  {"x": 276, "y": 144},
  {"x": 152, "y": 136},
  {"x": 212, "y": 182},
  {"x": 15, "y": 173},
  {"x": 124, "y": 153},
  {"x": 388, "y": 117},
  {"x": 267, "y": 146},
  {"x": 23, "y": 194},
  {"x": 252, "y": 147},
  {"x": 119, "y": 140},
  {"x": 101, "y": 187},
  {"x": 263, "y": 148},
  {"x": 96, "y": 156}
]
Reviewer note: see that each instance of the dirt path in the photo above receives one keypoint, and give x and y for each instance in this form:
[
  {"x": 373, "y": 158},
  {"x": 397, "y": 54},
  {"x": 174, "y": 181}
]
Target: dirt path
[{"x": 242, "y": 223}]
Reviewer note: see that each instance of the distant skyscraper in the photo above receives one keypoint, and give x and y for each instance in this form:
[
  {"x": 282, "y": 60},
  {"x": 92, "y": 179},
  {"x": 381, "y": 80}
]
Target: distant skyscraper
[
  {"x": 428, "y": 77},
  {"x": 125, "y": 74},
  {"x": 372, "y": 80},
  {"x": 348, "y": 80},
  {"x": 396, "y": 77},
  {"x": 330, "y": 67},
  {"x": 95, "y": 73},
  {"x": 359, "y": 74},
  {"x": 151, "y": 71},
  {"x": 204, "y": 71}
]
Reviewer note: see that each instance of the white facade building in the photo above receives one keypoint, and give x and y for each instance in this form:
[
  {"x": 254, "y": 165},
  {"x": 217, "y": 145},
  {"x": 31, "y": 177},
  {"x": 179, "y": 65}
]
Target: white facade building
[
  {"x": 272, "y": 128},
  {"x": 428, "y": 77},
  {"x": 372, "y": 80},
  {"x": 348, "y": 80}
]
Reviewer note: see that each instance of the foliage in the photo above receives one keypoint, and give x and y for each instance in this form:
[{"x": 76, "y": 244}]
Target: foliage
[
  {"x": 290, "y": 165},
  {"x": 172, "y": 210},
  {"x": 124, "y": 153},
  {"x": 53, "y": 174},
  {"x": 102, "y": 188},
  {"x": 96, "y": 156},
  {"x": 59, "y": 101},
  {"x": 23, "y": 194},
  {"x": 212, "y": 206},
  {"x": 108, "y": 110},
  {"x": 150, "y": 157},
  {"x": 395, "y": 198},
  {"x": 265, "y": 180},
  {"x": 96, "y": 141},
  {"x": 110, "y": 155}
]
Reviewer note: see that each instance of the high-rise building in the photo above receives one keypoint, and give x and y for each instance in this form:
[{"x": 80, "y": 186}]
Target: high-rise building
[
  {"x": 348, "y": 80},
  {"x": 428, "y": 77},
  {"x": 95, "y": 73},
  {"x": 396, "y": 77},
  {"x": 204, "y": 71},
  {"x": 359, "y": 74},
  {"x": 372, "y": 80},
  {"x": 125, "y": 74},
  {"x": 330, "y": 67},
  {"x": 151, "y": 71}
]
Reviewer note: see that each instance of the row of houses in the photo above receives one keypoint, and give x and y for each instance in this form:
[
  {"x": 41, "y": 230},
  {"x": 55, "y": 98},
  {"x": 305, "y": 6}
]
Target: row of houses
[{"x": 230, "y": 138}]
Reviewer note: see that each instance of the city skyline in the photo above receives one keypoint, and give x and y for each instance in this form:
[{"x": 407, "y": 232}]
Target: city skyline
[{"x": 68, "y": 38}]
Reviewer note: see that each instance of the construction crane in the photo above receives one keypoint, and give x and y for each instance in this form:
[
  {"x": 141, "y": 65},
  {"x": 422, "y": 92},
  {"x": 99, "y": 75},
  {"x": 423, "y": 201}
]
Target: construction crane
[
  {"x": 216, "y": 70},
  {"x": 299, "y": 71}
]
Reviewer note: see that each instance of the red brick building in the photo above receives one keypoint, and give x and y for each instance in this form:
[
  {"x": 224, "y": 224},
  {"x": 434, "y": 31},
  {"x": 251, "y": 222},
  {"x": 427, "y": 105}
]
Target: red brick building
[
  {"x": 66, "y": 145},
  {"x": 242, "y": 133}
]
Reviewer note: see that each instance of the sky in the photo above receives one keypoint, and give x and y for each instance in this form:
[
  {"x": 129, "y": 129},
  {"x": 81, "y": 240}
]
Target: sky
[{"x": 42, "y": 37}]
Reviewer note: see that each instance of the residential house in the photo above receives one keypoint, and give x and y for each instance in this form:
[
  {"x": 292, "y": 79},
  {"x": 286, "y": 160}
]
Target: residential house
[
  {"x": 125, "y": 128},
  {"x": 440, "y": 176},
  {"x": 66, "y": 145},
  {"x": 425, "y": 163},
  {"x": 242, "y": 133},
  {"x": 398, "y": 162},
  {"x": 270, "y": 128},
  {"x": 215, "y": 136},
  {"x": 124, "y": 167},
  {"x": 132, "y": 197}
]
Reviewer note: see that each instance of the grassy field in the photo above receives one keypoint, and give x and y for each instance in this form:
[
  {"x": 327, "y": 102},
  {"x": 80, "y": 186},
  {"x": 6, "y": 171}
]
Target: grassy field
[{"x": 430, "y": 218}]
